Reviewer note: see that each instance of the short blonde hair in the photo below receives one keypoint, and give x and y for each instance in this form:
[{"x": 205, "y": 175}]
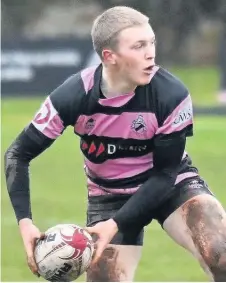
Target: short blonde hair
[{"x": 111, "y": 22}]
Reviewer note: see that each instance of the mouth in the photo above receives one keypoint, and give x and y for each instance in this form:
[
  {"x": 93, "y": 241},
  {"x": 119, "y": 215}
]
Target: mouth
[{"x": 149, "y": 69}]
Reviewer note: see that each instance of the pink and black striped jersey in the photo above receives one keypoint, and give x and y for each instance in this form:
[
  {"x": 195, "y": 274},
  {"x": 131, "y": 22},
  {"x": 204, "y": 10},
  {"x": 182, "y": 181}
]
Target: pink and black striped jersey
[
  {"x": 133, "y": 142},
  {"x": 117, "y": 134}
]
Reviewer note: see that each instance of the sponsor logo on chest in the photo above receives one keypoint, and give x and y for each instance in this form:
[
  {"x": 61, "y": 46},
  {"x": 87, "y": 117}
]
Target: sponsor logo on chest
[{"x": 99, "y": 150}]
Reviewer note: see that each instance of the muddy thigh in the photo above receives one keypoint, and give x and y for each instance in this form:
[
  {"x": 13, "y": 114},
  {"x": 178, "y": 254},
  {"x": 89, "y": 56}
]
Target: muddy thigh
[
  {"x": 199, "y": 226},
  {"x": 206, "y": 219},
  {"x": 118, "y": 263}
]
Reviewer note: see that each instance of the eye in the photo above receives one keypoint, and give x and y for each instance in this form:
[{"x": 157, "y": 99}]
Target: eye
[{"x": 138, "y": 46}]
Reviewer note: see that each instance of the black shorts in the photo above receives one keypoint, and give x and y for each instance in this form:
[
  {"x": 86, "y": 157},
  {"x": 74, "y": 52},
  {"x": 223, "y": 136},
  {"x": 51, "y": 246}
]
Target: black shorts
[{"x": 104, "y": 207}]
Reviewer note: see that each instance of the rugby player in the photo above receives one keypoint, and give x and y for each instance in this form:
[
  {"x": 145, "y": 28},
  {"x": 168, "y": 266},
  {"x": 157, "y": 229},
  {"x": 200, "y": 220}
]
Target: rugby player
[{"x": 133, "y": 118}]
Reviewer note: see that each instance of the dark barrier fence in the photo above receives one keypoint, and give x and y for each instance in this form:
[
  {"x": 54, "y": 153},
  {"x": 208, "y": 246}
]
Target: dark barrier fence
[{"x": 35, "y": 67}]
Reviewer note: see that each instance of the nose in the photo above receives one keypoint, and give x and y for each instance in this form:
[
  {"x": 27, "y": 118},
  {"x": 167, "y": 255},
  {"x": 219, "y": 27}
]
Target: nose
[{"x": 150, "y": 52}]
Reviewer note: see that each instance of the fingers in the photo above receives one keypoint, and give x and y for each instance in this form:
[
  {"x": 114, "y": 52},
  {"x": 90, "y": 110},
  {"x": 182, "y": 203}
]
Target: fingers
[
  {"x": 30, "y": 254},
  {"x": 100, "y": 244},
  {"x": 91, "y": 230},
  {"x": 30, "y": 234},
  {"x": 100, "y": 247},
  {"x": 32, "y": 265},
  {"x": 42, "y": 236},
  {"x": 104, "y": 235},
  {"x": 30, "y": 258}
]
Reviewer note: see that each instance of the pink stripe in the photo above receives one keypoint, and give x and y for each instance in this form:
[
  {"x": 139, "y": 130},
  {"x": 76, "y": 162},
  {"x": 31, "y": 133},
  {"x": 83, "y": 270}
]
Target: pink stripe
[
  {"x": 95, "y": 190},
  {"x": 54, "y": 128},
  {"x": 88, "y": 77},
  {"x": 116, "y": 101},
  {"x": 121, "y": 167},
  {"x": 184, "y": 176},
  {"x": 180, "y": 118},
  {"x": 108, "y": 125}
]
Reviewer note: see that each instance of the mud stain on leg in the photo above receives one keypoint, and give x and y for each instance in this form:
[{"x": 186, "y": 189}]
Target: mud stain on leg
[
  {"x": 106, "y": 269},
  {"x": 205, "y": 221}
]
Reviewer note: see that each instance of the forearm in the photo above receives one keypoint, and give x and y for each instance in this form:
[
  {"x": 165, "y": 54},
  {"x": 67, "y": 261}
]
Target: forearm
[
  {"x": 138, "y": 211},
  {"x": 17, "y": 180},
  {"x": 29, "y": 144},
  {"x": 140, "y": 207}
]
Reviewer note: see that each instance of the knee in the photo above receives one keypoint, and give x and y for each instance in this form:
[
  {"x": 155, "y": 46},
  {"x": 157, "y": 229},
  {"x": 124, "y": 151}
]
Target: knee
[
  {"x": 217, "y": 261},
  {"x": 107, "y": 269}
]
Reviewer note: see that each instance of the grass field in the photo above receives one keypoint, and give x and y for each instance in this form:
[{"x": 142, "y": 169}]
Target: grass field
[
  {"x": 202, "y": 82},
  {"x": 59, "y": 193}
]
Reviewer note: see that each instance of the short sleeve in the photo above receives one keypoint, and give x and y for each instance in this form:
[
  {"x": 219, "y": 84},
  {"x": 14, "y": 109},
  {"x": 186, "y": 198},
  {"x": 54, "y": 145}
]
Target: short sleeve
[
  {"x": 180, "y": 119},
  {"x": 61, "y": 108}
]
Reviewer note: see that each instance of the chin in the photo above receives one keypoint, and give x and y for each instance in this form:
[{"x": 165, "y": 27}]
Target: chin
[{"x": 144, "y": 81}]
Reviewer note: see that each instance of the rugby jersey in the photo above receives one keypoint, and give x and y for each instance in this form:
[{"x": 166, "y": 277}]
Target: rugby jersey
[{"x": 118, "y": 135}]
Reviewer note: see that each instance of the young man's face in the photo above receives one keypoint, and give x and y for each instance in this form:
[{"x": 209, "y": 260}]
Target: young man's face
[{"x": 135, "y": 55}]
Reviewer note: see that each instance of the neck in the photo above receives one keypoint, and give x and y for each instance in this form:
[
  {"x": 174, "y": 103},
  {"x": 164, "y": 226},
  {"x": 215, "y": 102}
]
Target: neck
[{"x": 112, "y": 84}]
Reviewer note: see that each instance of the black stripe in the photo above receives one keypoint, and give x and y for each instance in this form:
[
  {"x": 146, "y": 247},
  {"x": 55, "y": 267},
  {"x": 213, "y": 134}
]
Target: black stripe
[
  {"x": 139, "y": 179},
  {"x": 124, "y": 183},
  {"x": 128, "y": 141},
  {"x": 113, "y": 148},
  {"x": 186, "y": 131}
]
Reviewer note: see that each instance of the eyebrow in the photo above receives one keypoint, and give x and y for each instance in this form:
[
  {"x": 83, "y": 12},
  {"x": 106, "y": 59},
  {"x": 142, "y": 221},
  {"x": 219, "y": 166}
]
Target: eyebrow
[{"x": 143, "y": 41}]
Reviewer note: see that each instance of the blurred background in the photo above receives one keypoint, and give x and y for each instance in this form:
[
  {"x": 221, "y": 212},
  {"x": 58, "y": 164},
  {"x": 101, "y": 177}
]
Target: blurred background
[{"x": 45, "y": 41}]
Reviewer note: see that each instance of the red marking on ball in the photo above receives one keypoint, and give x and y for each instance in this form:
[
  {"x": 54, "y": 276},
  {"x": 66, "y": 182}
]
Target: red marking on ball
[{"x": 78, "y": 241}]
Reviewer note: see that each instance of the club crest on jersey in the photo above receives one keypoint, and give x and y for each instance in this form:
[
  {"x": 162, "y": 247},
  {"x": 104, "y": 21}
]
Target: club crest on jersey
[
  {"x": 90, "y": 124},
  {"x": 139, "y": 125}
]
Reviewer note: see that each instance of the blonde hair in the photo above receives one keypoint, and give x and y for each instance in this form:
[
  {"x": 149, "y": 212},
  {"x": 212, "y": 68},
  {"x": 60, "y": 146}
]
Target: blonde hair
[{"x": 110, "y": 23}]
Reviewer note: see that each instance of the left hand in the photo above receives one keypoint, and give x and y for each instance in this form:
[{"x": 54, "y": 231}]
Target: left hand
[{"x": 105, "y": 231}]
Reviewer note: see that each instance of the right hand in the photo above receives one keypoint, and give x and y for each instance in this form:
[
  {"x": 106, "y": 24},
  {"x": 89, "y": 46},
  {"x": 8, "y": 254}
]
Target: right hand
[
  {"x": 30, "y": 234},
  {"x": 105, "y": 231}
]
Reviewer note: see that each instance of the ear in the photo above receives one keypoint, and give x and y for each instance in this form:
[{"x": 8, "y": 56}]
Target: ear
[{"x": 108, "y": 56}]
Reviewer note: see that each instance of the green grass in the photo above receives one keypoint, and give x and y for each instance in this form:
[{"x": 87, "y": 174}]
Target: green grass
[
  {"x": 202, "y": 82},
  {"x": 58, "y": 192}
]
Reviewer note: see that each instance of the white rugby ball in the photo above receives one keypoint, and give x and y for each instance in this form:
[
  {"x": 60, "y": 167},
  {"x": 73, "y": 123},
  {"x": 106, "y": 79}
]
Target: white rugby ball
[{"x": 64, "y": 254}]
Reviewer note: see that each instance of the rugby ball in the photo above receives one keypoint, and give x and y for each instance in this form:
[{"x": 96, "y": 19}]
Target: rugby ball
[{"x": 64, "y": 254}]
